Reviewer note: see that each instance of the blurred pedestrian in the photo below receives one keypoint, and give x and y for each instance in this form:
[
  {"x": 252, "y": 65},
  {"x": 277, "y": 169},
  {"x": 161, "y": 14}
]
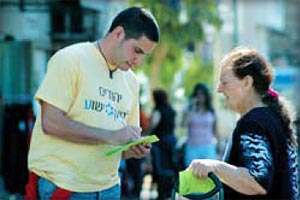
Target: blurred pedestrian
[
  {"x": 162, "y": 124},
  {"x": 201, "y": 122},
  {"x": 261, "y": 159},
  {"x": 134, "y": 167},
  {"x": 144, "y": 121},
  {"x": 89, "y": 103}
]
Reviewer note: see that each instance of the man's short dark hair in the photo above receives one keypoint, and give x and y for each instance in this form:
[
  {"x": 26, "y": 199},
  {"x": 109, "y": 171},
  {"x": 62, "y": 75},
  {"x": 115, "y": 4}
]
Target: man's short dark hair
[{"x": 137, "y": 22}]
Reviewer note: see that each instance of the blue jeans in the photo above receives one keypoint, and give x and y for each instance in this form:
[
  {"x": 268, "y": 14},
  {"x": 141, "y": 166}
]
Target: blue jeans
[{"x": 46, "y": 189}]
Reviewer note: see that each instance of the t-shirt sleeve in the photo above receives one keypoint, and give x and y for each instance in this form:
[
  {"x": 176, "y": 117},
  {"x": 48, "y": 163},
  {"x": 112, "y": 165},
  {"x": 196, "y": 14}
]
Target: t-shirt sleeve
[
  {"x": 58, "y": 87},
  {"x": 256, "y": 156}
]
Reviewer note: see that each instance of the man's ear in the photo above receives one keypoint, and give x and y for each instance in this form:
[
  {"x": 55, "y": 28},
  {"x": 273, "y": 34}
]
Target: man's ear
[{"x": 119, "y": 32}]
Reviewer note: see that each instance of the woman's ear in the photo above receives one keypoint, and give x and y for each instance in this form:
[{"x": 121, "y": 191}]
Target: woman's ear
[{"x": 248, "y": 82}]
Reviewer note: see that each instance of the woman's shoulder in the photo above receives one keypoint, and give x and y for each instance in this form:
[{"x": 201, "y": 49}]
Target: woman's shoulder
[
  {"x": 260, "y": 119},
  {"x": 259, "y": 114}
]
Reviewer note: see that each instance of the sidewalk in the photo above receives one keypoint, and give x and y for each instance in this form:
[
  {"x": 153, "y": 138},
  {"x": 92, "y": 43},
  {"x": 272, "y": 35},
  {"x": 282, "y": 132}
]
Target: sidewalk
[
  {"x": 148, "y": 192},
  {"x": 4, "y": 195}
]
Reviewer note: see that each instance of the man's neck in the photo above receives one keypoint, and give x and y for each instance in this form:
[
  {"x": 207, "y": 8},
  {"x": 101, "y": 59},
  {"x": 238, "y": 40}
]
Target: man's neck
[{"x": 103, "y": 48}]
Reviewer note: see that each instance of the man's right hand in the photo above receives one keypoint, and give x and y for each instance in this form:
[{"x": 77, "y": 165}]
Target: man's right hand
[{"x": 126, "y": 135}]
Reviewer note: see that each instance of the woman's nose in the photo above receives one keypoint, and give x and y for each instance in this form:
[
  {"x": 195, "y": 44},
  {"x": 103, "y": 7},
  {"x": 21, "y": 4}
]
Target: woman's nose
[{"x": 219, "y": 89}]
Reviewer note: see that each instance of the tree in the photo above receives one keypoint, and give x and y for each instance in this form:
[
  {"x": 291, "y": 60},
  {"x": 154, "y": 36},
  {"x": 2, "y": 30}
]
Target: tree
[
  {"x": 198, "y": 72},
  {"x": 181, "y": 24}
]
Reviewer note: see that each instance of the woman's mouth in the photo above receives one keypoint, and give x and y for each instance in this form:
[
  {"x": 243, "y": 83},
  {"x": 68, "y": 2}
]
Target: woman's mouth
[{"x": 129, "y": 65}]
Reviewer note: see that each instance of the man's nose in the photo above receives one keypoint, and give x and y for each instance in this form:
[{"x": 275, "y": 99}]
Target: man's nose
[{"x": 138, "y": 60}]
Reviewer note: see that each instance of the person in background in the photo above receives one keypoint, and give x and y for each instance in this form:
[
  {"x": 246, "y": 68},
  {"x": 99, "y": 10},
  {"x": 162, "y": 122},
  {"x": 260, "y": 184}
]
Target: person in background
[
  {"x": 201, "y": 123},
  {"x": 261, "y": 157},
  {"x": 89, "y": 105},
  {"x": 144, "y": 121},
  {"x": 162, "y": 124},
  {"x": 134, "y": 167}
]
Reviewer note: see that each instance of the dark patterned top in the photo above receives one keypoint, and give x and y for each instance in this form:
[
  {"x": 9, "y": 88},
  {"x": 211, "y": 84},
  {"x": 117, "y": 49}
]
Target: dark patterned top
[{"x": 258, "y": 143}]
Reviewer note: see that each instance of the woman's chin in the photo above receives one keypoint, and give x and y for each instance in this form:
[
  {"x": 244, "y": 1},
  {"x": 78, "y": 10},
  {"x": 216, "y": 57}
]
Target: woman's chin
[{"x": 229, "y": 107}]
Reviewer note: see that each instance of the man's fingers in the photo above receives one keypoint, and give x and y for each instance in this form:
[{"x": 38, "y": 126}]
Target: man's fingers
[
  {"x": 135, "y": 133},
  {"x": 140, "y": 150}
]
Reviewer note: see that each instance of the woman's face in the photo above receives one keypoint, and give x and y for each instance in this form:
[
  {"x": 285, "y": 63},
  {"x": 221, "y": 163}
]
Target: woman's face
[
  {"x": 200, "y": 97},
  {"x": 233, "y": 90}
]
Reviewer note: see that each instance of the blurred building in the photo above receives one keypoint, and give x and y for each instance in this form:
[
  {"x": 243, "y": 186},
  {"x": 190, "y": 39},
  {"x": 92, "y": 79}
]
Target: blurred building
[
  {"x": 42, "y": 27},
  {"x": 270, "y": 26}
]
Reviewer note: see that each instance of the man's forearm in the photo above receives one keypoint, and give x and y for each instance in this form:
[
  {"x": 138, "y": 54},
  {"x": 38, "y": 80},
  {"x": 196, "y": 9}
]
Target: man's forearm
[{"x": 56, "y": 123}]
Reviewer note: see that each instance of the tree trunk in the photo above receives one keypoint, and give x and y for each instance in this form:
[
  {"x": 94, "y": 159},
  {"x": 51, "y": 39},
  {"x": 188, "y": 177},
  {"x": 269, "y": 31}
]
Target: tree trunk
[{"x": 159, "y": 55}]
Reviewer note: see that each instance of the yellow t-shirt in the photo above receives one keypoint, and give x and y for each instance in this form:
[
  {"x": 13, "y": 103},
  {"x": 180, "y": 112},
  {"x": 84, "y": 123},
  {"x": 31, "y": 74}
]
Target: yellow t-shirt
[{"x": 77, "y": 81}]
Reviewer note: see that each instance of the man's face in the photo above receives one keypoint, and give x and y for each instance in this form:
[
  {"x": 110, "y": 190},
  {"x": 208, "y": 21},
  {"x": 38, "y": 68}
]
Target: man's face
[{"x": 132, "y": 52}]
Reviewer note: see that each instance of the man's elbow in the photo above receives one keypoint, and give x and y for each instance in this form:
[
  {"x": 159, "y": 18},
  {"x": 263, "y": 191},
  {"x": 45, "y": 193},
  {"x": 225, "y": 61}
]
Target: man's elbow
[{"x": 47, "y": 127}]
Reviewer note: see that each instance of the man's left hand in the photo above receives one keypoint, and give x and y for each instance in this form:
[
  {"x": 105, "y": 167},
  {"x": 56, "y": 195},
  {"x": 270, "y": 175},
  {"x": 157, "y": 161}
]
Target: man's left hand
[{"x": 137, "y": 151}]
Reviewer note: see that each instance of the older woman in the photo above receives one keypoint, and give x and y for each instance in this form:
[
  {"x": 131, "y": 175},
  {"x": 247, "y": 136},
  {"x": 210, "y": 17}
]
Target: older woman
[{"x": 261, "y": 158}]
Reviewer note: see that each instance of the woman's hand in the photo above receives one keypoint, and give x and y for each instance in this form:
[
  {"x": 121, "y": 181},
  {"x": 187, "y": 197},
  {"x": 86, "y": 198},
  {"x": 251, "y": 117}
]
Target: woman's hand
[{"x": 201, "y": 167}]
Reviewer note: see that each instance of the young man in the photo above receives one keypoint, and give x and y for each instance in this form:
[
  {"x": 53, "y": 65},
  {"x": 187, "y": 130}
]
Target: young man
[{"x": 89, "y": 104}]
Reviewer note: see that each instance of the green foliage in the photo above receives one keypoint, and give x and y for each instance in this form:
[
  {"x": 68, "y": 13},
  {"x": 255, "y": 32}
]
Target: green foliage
[
  {"x": 168, "y": 70},
  {"x": 198, "y": 72},
  {"x": 177, "y": 34}
]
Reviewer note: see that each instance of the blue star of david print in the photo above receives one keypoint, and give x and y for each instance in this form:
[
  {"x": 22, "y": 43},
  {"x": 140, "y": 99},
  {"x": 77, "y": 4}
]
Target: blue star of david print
[{"x": 109, "y": 109}]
